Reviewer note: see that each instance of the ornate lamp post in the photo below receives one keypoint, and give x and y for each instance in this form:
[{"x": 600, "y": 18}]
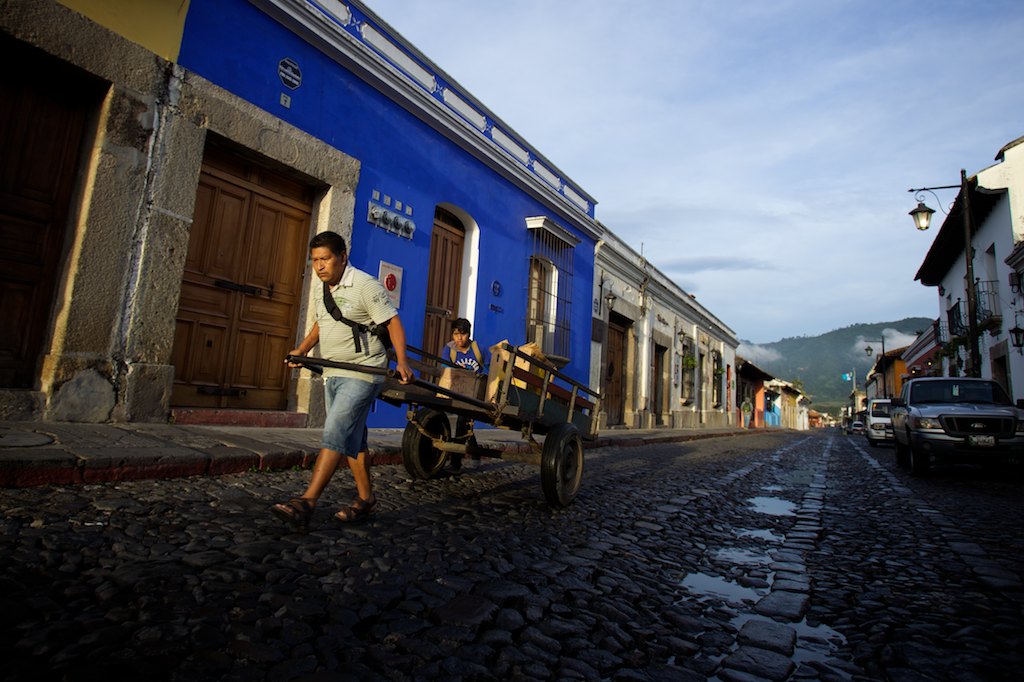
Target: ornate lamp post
[
  {"x": 922, "y": 219},
  {"x": 885, "y": 384}
]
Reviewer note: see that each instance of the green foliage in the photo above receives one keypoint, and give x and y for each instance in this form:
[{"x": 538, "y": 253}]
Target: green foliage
[{"x": 818, "y": 362}]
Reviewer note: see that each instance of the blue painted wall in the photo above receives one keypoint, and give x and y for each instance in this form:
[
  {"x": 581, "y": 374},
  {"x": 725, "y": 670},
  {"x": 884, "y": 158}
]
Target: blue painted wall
[{"x": 236, "y": 46}]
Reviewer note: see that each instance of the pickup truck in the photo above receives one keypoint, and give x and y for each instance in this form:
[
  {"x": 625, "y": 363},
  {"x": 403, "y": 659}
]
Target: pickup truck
[{"x": 955, "y": 419}]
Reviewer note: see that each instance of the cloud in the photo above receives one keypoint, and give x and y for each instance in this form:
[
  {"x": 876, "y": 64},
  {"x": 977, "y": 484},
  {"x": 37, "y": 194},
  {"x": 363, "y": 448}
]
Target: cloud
[
  {"x": 690, "y": 265},
  {"x": 756, "y": 153},
  {"x": 756, "y": 353},
  {"x": 893, "y": 339}
]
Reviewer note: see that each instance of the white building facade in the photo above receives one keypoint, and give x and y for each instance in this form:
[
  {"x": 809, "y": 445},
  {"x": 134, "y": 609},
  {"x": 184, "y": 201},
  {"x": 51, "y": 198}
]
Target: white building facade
[
  {"x": 996, "y": 203},
  {"x": 659, "y": 357}
]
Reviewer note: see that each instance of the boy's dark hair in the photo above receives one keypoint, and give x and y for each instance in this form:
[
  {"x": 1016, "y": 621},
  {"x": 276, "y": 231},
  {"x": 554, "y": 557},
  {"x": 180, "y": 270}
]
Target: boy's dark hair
[
  {"x": 461, "y": 324},
  {"x": 332, "y": 240}
]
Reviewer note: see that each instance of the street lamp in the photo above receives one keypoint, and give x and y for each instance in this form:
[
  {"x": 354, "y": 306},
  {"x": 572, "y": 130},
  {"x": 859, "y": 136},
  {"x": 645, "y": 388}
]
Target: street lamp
[
  {"x": 1017, "y": 335},
  {"x": 922, "y": 216},
  {"x": 922, "y": 219},
  {"x": 885, "y": 384}
]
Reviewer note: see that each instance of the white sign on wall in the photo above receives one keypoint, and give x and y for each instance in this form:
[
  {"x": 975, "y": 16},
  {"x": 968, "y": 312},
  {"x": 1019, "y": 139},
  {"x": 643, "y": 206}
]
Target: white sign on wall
[{"x": 391, "y": 277}]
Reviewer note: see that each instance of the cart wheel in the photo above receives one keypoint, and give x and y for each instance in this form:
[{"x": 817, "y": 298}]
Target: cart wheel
[
  {"x": 561, "y": 465},
  {"x": 421, "y": 458}
]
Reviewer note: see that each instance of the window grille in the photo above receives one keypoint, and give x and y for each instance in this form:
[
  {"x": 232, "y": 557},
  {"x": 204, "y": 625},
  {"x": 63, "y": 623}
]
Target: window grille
[
  {"x": 549, "y": 299},
  {"x": 689, "y": 367},
  {"x": 717, "y": 371}
]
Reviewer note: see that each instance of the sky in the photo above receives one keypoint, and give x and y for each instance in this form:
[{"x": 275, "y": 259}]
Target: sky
[{"x": 756, "y": 152}]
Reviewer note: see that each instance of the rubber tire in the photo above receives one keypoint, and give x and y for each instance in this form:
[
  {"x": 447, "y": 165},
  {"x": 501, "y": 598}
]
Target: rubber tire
[
  {"x": 920, "y": 463},
  {"x": 902, "y": 454},
  {"x": 421, "y": 459},
  {"x": 561, "y": 465}
]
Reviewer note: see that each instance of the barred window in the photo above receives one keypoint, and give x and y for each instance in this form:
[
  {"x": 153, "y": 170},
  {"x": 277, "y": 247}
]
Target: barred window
[
  {"x": 549, "y": 298},
  {"x": 717, "y": 372},
  {"x": 689, "y": 369}
]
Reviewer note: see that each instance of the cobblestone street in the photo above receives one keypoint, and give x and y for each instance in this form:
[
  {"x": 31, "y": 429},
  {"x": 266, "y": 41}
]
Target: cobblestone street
[{"x": 778, "y": 556}]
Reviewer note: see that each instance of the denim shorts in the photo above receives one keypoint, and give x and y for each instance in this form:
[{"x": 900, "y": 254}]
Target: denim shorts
[{"x": 348, "y": 404}]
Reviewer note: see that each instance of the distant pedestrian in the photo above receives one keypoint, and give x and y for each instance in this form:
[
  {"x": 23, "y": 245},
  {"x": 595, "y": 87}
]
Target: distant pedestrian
[
  {"x": 352, "y": 308},
  {"x": 747, "y": 409}
]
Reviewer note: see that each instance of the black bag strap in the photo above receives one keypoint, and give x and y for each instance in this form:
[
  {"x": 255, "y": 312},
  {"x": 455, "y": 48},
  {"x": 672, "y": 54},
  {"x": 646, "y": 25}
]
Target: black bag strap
[{"x": 332, "y": 308}]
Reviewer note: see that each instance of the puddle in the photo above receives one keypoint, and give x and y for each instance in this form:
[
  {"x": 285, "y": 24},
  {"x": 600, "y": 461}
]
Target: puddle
[
  {"x": 775, "y": 506},
  {"x": 814, "y": 643},
  {"x": 705, "y": 586},
  {"x": 773, "y": 488},
  {"x": 733, "y": 555},
  {"x": 763, "y": 534}
]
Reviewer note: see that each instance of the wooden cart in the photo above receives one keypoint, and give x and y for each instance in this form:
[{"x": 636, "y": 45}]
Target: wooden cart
[{"x": 523, "y": 393}]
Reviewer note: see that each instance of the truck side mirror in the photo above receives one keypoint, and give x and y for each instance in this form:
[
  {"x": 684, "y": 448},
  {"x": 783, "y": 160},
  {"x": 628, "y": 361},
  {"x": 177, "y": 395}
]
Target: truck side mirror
[{"x": 1020, "y": 403}]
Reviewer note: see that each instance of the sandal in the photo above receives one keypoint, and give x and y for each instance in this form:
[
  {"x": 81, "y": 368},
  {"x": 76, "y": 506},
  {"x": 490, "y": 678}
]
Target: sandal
[
  {"x": 297, "y": 511},
  {"x": 357, "y": 511}
]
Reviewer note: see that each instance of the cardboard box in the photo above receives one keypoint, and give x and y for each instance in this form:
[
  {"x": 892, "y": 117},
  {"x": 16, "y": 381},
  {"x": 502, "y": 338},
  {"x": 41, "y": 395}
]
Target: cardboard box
[
  {"x": 462, "y": 381},
  {"x": 499, "y": 360}
]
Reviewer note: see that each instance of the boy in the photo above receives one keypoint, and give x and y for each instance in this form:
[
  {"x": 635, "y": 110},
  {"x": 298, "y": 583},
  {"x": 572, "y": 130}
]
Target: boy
[{"x": 463, "y": 352}]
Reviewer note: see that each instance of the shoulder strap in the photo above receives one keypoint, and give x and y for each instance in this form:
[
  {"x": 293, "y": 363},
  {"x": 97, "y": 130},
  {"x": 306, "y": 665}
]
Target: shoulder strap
[
  {"x": 332, "y": 308},
  {"x": 452, "y": 353},
  {"x": 478, "y": 354}
]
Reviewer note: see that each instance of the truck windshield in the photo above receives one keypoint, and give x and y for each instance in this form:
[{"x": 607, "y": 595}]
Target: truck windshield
[{"x": 954, "y": 391}]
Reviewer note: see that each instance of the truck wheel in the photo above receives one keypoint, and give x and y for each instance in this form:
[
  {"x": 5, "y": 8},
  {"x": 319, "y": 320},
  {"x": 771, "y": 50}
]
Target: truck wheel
[
  {"x": 561, "y": 465},
  {"x": 919, "y": 462},
  {"x": 902, "y": 454},
  {"x": 421, "y": 459}
]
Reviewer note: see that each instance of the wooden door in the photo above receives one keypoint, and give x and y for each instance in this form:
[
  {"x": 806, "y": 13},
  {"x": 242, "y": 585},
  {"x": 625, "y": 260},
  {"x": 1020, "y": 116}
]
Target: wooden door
[
  {"x": 658, "y": 384},
  {"x": 242, "y": 287},
  {"x": 444, "y": 280},
  {"x": 43, "y": 109},
  {"x": 613, "y": 398}
]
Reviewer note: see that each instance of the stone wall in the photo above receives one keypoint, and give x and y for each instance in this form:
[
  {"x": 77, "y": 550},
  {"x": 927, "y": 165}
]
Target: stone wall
[{"x": 113, "y": 322}]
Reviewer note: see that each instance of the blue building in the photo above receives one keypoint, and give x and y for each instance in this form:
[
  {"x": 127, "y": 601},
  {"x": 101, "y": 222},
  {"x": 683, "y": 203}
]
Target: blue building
[{"x": 215, "y": 138}]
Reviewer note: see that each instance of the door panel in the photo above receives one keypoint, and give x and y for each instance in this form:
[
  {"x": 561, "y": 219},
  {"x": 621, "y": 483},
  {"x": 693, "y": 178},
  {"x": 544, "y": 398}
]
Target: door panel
[
  {"x": 615, "y": 371},
  {"x": 241, "y": 289},
  {"x": 443, "y": 280},
  {"x": 43, "y": 112},
  {"x": 658, "y": 380}
]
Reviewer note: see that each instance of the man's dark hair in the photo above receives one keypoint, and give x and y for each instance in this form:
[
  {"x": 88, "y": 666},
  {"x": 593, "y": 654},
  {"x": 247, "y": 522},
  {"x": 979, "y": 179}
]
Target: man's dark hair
[
  {"x": 461, "y": 324},
  {"x": 332, "y": 240}
]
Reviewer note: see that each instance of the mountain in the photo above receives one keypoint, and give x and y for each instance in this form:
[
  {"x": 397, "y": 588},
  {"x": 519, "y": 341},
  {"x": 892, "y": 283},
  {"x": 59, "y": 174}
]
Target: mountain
[{"x": 817, "y": 363}]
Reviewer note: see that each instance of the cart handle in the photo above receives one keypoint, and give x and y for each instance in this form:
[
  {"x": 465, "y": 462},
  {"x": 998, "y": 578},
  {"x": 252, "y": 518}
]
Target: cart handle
[{"x": 317, "y": 365}]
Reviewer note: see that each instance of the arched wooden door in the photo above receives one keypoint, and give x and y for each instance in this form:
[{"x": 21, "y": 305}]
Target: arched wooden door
[
  {"x": 242, "y": 286},
  {"x": 444, "y": 279}
]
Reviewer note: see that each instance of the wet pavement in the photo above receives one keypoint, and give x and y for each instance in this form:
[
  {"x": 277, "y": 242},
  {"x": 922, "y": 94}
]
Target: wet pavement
[{"x": 774, "y": 556}]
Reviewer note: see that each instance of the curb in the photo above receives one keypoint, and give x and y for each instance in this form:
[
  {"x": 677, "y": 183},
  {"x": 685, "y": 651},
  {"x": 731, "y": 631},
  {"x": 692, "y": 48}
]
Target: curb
[{"x": 52, "y": 464}]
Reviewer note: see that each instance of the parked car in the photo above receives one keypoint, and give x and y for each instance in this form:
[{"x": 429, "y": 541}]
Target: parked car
[
  {"x": 855, "y": 427},
  {"x": 948, "y": 419},
  {"x": 878, "y": 427}
]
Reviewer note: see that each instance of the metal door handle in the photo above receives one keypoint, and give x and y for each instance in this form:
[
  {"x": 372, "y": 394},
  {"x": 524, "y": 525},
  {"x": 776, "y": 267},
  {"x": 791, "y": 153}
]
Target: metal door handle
[
  {"x": 232, "y": 286},
  {"x": 221, "y": 390}
]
